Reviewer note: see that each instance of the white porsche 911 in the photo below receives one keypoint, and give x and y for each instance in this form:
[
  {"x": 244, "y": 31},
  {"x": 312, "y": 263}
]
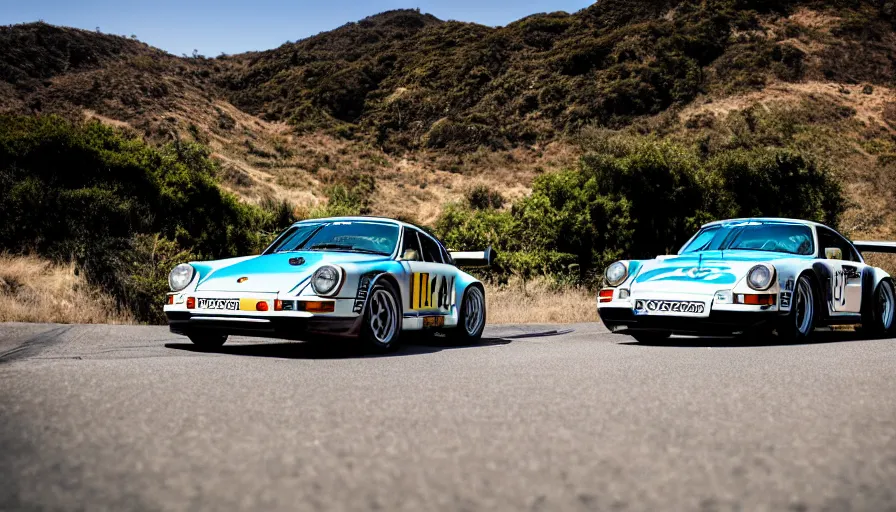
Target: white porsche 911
[
  {"x": 358, "y": 277},
  {"x": 751, "y": 276}
]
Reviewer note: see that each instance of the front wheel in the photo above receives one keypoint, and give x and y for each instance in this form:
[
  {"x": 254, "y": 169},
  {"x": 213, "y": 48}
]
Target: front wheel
[
  {"x": 471, "y": 318},
  {"x": 382, "y": 319},
  {"x": 208, "y": 341},
  {"x": 799, "y": 324}
]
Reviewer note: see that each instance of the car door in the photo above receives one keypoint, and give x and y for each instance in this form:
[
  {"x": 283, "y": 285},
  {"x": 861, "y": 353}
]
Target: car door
[
  {"x": 431, "y": 280},
  {"x": 845, "y": 266}
]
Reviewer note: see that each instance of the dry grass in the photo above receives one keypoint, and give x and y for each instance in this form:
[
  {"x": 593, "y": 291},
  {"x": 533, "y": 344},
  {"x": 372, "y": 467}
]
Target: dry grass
[
  {"x": 37, "y": 290},
  {"x": 538, "y": 303},
  {"x": 869, "y": 108},
  {"x": 262, "y": 160}
]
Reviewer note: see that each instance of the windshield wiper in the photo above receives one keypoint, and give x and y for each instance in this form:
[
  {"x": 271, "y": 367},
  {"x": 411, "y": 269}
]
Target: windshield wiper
[
  {"x": 324, "y": 247},
  {"x": 345, "y": 247},
  {"x": 370, "y": 251}
]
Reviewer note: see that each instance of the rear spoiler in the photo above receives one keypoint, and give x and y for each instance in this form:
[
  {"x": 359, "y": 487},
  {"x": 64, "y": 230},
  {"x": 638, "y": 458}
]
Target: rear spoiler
[
  {"x": 474, "y": 258},
  {"x": 886, "y": 247}
]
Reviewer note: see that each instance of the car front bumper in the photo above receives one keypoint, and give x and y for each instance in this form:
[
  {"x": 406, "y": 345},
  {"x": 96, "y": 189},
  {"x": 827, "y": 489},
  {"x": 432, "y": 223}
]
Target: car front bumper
[
  {"x": 280, "y": 326},
  {"x": 623, "y": 320},
  {"x": 296, "y": 323}
]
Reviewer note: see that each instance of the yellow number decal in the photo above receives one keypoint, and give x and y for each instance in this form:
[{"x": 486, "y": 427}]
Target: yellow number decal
[{"x": 431, "y": 291}]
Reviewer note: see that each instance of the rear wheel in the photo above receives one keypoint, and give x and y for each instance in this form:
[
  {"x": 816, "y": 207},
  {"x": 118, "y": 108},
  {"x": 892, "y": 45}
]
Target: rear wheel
[
  {"x": 208, "y": 341},
  {"x": 471, "y": 319},
  {"x": 880, "y": 318},
  {"x": 799, "y": 324},
  {"x": 650, "y": 337},
  {"x": 382, "y": 319}
]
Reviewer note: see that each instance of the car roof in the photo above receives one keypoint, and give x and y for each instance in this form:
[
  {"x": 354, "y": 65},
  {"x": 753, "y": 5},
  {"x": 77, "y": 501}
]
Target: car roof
[
  {"x": 769, "y": 220},
  {"x": 362, "y": 218}
]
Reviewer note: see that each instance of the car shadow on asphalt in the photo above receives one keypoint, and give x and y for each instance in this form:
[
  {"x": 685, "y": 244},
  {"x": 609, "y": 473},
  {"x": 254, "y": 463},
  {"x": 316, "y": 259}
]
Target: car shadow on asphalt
[
  {"x": 334, "y": 349},
  {"x": 819, "y": 338}
]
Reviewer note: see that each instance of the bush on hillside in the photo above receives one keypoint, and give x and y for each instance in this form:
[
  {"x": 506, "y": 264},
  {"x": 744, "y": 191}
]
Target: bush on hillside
[
  {"x": 636, "y": 198},
  {"x": 481, "y": 197},
  {"x": 87, "y": 193}
]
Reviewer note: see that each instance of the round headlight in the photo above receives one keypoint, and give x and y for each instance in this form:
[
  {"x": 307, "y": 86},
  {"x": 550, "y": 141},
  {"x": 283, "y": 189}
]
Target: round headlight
[
  {"x": 616, "y": 273},
  {"x": 180, "y": 277},
  {"x": 324, "y": 280},
  {"x": 760, "y": 277}
]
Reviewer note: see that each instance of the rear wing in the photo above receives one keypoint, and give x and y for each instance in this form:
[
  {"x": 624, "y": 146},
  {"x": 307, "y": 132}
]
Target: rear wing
[
  {"x": 885, "y": 247},
  {"x": 474, "y": 258}
]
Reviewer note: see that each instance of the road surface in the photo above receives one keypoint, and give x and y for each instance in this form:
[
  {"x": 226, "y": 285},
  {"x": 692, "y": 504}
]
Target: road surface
[{"x": 134, "y": 418}]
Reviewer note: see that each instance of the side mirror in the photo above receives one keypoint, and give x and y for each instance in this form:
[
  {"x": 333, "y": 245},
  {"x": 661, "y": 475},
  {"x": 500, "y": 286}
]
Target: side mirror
[
  {"x": 410, "y": 255},
  {"x": 833, "y": 253}
]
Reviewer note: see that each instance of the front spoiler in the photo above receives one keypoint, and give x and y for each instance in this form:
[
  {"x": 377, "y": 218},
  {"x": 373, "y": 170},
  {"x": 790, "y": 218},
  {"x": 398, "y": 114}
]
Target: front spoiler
[
  {"x": 623, "y": 320},
  {"x": 292, "y": 328}
]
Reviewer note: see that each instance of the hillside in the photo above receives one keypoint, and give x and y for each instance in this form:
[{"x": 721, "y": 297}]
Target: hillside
[
  {"x": 403, "y": 114},
  {"x": 411, "y": 100}
]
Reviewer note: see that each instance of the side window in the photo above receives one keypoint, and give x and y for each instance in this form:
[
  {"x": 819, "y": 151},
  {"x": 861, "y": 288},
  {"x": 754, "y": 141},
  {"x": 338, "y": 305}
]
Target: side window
[
  {"x": 410, "y": 246},
  {"x": 849, "y": 252},
  {"x": 431, "y": 249},
  {"x": 827, "y": 239}
]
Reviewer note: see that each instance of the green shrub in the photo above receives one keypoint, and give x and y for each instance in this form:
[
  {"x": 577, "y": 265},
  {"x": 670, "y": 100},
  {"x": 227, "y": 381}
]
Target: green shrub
[
  {"x": 88, "y": 193},
  {"x": 481, "y": 197},
  {"x": 636, "y": 198}
]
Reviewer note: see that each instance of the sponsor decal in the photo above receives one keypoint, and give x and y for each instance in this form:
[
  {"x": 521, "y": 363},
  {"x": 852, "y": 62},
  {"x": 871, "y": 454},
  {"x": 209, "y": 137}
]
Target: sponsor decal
[
  {"x": 222, "y": 304},
  {"x": 786, "y": 297},
  {"x": 363, "y": 290},
  {"x": 645, "y": 306}
]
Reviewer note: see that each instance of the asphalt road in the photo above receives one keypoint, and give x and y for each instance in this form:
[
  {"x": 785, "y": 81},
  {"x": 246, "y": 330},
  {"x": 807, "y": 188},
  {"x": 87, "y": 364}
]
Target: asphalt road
[{"x": 133, "y": 418}]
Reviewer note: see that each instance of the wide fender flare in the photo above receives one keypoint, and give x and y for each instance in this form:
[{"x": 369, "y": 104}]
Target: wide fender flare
[
  {"x": 360, "y": 307},
  {"x": 461, "y": 284},
  {"x": 871, "y": 279}
]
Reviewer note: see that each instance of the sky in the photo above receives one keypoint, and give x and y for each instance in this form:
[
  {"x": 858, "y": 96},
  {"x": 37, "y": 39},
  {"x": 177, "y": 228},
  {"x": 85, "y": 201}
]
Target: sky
[{"x": 226, "y": 26}]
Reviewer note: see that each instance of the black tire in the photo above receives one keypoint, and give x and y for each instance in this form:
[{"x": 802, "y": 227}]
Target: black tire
[
  {"x": 879, "y": 318},
  {"x": 799, "y": 324},
  {"x": 208, "y": 341},
  {"x": 471, "y": 318},
  {"x": 650, "y": 338},
  {"x": 383, "y": 315}
]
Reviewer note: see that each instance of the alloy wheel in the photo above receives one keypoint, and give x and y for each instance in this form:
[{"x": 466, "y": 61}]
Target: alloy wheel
[
  {"x": 885, "y": 305},
  {"x": 474, "y": 311},
  {"x": 805, "y": 307},
  {"x": 383, "y": 318}
]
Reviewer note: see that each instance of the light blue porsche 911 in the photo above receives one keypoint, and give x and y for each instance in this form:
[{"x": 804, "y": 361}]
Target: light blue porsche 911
[
  {"x": 359, "y": 277},
  {"x": 751, "y": 276}
]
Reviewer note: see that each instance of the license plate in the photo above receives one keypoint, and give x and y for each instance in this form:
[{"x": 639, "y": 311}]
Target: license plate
[
  {"x": 665, "y": 307},
  {"x": 222, "y": 304},
  {"x": 433, "y": 321}
]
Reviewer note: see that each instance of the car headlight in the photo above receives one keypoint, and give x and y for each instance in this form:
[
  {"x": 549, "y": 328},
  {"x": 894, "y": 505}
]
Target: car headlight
[
  {"x": 761, "y": 277},
  {"x": 616, "y": 273},
  {"x": 180, "y": 276},
  {"x": 324, "y": 280}
]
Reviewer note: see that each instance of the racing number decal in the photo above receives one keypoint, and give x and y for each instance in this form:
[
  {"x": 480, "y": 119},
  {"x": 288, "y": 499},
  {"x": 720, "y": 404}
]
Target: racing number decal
[
  {"x": 431, "y": 291},
  {"x": 839, "y": 287}
]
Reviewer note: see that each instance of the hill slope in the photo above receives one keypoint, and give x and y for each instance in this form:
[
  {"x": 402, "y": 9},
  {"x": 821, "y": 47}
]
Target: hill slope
[{"x": 401, "y": 114}]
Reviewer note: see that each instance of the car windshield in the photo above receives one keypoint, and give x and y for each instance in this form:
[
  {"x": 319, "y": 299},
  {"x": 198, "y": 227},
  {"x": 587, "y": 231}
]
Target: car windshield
[
  {"x": 754, "y": 236},
  {"x": 341, "y": 236}
]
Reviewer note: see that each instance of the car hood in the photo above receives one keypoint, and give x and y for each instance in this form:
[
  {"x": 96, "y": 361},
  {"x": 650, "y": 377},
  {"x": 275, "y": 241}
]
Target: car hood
[
  {"x": 273, "y": 273},
  {"x": 699, "y": 273}
]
